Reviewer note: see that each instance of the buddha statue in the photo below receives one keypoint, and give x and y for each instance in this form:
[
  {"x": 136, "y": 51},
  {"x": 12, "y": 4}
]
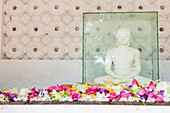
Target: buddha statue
[{"x": 126, "y": 61}]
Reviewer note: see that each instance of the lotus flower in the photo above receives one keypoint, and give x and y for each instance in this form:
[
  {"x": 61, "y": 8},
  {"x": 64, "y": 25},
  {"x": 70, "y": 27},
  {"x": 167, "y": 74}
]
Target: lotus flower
[
  {"x": 152, "y": 86},
  {"x": 134, "y": 82},
  {"x": 151, "y": 95},
  {"x": 142, "y": 92},
  {"x": 159, "y": 98}
]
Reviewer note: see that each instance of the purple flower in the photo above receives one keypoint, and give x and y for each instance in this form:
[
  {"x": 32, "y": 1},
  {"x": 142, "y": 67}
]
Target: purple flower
[
  {"x": 40, "y": 90},
  {"x": 101, "y": 90},
  {"x": 161, "y": 92},
  {"x": 0, "y": 92},
  {"x": 142, "y": 96},
  {"x": 12, "y": 96}
]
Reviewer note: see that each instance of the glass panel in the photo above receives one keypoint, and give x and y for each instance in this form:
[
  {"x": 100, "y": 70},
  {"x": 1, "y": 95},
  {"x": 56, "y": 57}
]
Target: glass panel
[{"x": 100, "y": 30}]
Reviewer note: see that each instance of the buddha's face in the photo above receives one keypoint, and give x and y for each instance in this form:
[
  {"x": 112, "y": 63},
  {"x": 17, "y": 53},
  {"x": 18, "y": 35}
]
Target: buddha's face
[{"x": 123, "y": 37}]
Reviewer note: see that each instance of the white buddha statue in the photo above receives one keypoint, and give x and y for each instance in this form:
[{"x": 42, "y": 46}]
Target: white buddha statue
[{"x": 126, "y": 61}]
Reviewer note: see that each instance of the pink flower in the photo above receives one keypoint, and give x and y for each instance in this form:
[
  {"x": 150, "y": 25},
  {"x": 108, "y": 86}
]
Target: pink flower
[
  {"x": 151, "y": 95},
  {"x": 159, "y": 98},
  {"x": 92, "y": 90},
  {"x": 134, "y": 82},
  {"x": 114, "y": 96},
  {"x": 6, "y": 94},
  {"x": 33, "y": 89},
  {"x": 152, "y": 86},
  {"x": 31, "y": 95},
  {"x": 75, "y": 96},
  {"x": 68, "y": 89},
  {"x": 51, "y": 88},
  {"x": 142, "y": 92},
  {"x": 59, "y": 88},
  {"x": 106, "y": 92},
  {"x": 123, "y": 94}
]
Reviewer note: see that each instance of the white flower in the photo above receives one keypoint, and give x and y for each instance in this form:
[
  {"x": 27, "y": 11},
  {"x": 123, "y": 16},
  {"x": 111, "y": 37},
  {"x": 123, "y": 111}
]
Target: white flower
[
  {"x": 34, "y": 99},
  {"x": 2, "y": 98},
  {"x": 81, "y": 89},
  {"x": 67, "y": 98},
  {"x": 23, "y": 92},
  {"x": 166, "y": 99},
  {"x": 165, "y": 86},
  {"x": 86, "y": 98},
  {"x": 131, "y": 99},
  {"x": 17, "y": 99},
  {"x": 117, "y": 88},
  {"x": 101, "y": 97},
  {"x": 14, "y": 90},
  {"x": 150, "y": 100},
  {"x": 123, "y": 99}
]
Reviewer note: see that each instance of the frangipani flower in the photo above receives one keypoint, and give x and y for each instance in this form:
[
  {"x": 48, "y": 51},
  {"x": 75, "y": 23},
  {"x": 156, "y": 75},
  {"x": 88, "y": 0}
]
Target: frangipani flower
[
  {"x": 81, "y": 89},
  {"x": 100, "y": 97}
]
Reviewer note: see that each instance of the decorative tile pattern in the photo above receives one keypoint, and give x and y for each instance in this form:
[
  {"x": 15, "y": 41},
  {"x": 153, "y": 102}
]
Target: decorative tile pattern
[{"x": 52, "y": 29}]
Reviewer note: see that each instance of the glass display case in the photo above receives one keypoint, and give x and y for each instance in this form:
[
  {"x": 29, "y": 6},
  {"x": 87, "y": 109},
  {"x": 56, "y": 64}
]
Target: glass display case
[{"x": 99, "y": 32}]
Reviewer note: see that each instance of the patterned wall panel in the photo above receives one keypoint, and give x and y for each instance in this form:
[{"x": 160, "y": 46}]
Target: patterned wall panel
[{"x": 52, "y": 29}]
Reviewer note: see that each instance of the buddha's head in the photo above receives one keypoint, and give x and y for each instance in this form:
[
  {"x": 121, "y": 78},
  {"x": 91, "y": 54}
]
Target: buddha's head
[{"x": 123, "y": 37}]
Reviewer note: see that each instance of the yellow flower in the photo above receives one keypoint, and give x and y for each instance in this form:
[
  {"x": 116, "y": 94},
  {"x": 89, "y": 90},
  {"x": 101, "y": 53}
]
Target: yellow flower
[
  {"x": 74, "y": 88},
  {"x": 83, "y": 95},
  {"x": 92, "y": 95},
  {"x": 86, "y": 86},
  {"x": 111, "y": 90}
]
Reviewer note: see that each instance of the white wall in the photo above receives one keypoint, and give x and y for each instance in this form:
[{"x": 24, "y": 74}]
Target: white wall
[{"x": 41, "y": 74}]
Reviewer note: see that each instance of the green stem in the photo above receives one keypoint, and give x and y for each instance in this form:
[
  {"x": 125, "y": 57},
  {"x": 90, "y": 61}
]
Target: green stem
[{"x": 133, "y": 93}]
